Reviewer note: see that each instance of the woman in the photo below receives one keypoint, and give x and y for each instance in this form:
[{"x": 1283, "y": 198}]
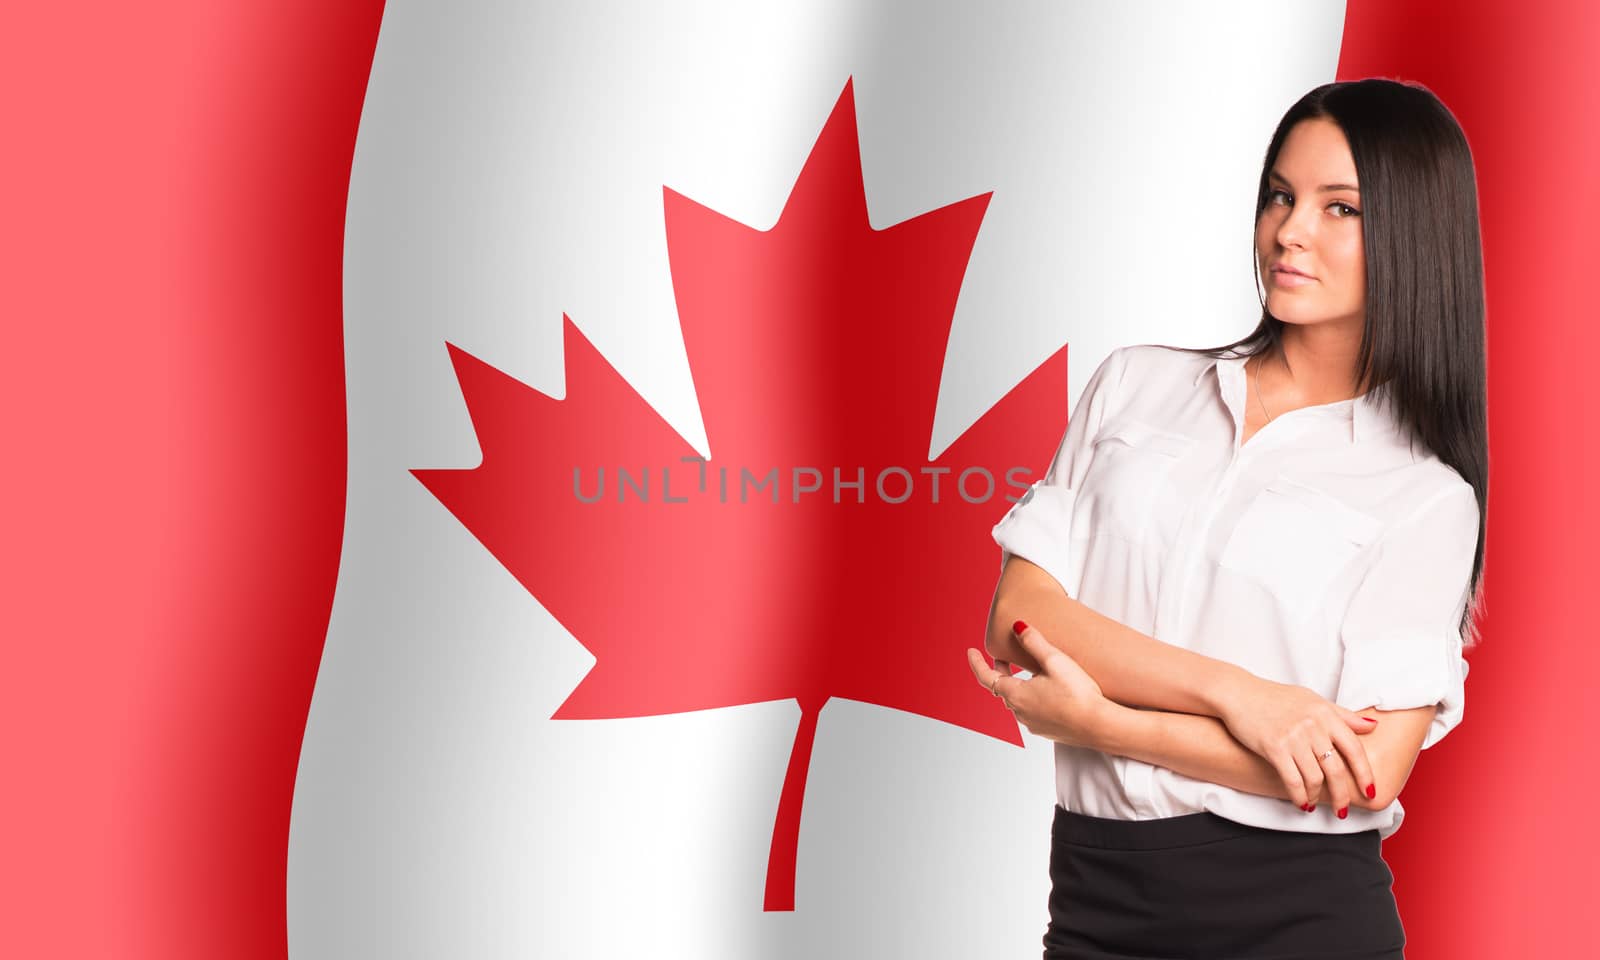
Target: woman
[{"x": 1249, "y": 570}]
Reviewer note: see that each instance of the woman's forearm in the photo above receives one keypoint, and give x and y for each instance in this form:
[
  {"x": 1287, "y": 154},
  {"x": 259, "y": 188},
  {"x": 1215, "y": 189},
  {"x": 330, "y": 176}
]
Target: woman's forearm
[
  {"x": 1131, "y": 667},
  {"x": 1195, "y": 746}
]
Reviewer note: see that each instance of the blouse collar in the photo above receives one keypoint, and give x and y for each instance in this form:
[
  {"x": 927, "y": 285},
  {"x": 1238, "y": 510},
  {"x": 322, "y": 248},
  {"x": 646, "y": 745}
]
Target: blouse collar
[{"x": 1365, "y": 415}]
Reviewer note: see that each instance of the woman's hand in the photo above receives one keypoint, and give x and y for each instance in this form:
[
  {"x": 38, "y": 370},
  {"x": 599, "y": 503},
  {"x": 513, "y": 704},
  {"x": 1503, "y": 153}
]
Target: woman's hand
[
  {"x": 1309, "y": 740},
  {"x": 1060, "y": 702}
]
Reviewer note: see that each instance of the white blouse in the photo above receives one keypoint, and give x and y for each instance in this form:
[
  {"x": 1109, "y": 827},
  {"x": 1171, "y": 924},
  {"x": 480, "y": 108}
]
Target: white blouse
[{"x": 1325, "y": 552}]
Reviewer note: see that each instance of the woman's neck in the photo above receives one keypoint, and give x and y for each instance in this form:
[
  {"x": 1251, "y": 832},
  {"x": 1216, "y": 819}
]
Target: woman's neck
[{"x": 1312, "y": 367}]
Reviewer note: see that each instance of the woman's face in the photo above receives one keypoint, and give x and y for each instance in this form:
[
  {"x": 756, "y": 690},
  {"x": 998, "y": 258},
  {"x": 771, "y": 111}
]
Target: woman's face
[{"x": 1314, "y": 230}]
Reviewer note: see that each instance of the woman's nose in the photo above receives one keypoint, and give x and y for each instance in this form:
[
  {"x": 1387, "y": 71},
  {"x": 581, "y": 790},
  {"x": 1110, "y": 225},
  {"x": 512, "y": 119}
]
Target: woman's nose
[{"x": 1295, "y": 228}]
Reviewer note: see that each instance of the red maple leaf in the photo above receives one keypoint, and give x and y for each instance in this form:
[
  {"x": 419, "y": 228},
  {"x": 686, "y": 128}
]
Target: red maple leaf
[{"x": 819, "y": 343}]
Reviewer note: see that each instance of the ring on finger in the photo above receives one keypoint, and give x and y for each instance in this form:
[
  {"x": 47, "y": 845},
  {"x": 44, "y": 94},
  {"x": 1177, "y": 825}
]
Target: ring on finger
[{"x": 1326, "y": 753}]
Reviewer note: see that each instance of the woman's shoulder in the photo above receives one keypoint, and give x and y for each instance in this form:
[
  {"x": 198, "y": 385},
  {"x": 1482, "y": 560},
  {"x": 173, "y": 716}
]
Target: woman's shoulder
[
  {"x": 1436, "y": 484},
  {"x": 1155, "y": 367},
  {"x": 1158, "y": 359},
  {"x": 1147, "y": 382}
]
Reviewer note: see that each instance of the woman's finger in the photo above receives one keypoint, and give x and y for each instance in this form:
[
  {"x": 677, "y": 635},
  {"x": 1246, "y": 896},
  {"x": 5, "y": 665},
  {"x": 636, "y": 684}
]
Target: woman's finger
[
  {"x": 1034, "y": 645},
  {"x": 1355, "y": 757},
  {"x": 1337, "y": 778},
  {"x": 1289, "y": 773},
  {"x": 1311, "y": 775},
  {"x": 980, "y": 669},
  {"x": 1001, "y": 684},
  {"x": 1049, "y": 658},
  {"x": 1008, "y": 688},
  {"x": 1359, "y": 722}
]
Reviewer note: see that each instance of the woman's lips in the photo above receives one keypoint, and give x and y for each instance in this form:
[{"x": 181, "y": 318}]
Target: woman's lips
[{"x": 1284, "y": 278}]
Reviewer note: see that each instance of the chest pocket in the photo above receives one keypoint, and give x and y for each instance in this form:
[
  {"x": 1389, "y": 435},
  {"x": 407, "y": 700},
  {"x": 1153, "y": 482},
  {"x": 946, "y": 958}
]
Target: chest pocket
[
  {"x": 1293, "y": 539},
  {"x": 1129, "y": 474}
]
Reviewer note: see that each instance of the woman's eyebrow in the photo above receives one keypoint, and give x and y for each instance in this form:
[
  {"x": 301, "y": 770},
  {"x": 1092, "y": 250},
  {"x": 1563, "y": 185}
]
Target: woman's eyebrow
[{"x": 1325, "y": 188}]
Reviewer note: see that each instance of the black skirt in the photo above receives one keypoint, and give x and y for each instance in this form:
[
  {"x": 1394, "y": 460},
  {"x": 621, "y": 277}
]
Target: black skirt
[{"x": 1203, "y": 886}]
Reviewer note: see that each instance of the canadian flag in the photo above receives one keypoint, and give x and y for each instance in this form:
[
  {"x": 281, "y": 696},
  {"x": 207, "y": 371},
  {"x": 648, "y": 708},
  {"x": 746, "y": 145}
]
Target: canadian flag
[{"x": 497, "y": 480}]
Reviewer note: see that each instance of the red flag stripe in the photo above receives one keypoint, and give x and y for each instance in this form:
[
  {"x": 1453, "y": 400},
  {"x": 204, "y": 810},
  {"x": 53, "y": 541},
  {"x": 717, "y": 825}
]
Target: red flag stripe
[
  {"x": 176, "y": 178},
  {"x": 1491, "y": 863}
]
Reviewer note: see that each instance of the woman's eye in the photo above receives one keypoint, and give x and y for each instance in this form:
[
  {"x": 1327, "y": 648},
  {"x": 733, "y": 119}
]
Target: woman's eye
[{"x": 1345, "y": 210}]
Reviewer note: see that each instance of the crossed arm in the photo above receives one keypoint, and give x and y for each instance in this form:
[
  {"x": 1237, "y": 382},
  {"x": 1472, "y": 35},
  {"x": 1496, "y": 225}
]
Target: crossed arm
[{"x": 1167, "y": 704}]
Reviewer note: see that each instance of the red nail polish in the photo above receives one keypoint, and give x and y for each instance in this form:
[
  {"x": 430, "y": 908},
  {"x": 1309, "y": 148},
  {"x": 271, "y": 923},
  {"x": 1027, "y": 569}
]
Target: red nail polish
[
  {"x": 1343, "y": 811},
  {"x": 1018, "y": 627},
  {"x": 1372, "y": 791},
  {"x": 1370, "y": 719},
  {"x": 1308, "y": 808}
]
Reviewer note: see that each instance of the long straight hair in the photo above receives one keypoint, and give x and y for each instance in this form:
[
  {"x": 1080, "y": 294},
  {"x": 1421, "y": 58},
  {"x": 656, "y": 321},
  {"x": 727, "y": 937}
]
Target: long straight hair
[{"x": 1423, "y": 342}]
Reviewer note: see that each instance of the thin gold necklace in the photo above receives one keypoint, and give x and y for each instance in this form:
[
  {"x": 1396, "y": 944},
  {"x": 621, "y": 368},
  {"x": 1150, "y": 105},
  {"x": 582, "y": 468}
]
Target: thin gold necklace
[{"x": 1259, "y": 398}]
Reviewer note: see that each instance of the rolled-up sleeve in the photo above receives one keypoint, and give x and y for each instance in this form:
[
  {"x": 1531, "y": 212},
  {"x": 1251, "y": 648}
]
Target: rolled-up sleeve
[
  {"x": 1401, "y": 634},
  {"x": 1038, "y": 527}
]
